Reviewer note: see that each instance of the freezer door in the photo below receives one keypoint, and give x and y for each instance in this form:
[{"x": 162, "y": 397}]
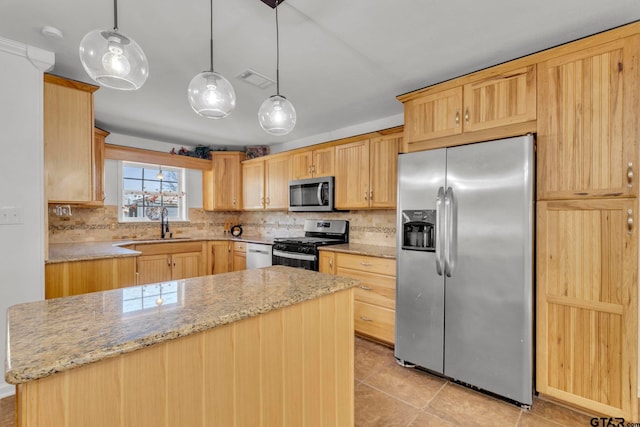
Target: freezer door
[
  {"x": 419, "y": 289},
  {"x": 489, "y": 296}
]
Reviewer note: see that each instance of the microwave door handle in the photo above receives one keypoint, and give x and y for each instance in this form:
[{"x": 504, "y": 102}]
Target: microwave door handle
[{"x": 320, "y": 203}]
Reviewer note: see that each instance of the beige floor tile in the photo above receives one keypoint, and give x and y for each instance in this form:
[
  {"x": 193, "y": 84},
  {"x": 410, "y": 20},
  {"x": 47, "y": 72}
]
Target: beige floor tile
[
  {"x": 529, "y": 420},
  {"x": 427, "y": 419},
  {"x": 559, "y": 414},
  {"x": 414, "y": 387},
  {"x": 462, "y": 406},
  {"x": 376, "y": 409},
  {"x": 369, "y": 358}
]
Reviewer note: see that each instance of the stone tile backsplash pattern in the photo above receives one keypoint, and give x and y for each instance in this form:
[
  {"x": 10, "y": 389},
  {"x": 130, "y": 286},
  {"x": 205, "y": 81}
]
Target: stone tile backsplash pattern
[{"x": 101, "y": 224}]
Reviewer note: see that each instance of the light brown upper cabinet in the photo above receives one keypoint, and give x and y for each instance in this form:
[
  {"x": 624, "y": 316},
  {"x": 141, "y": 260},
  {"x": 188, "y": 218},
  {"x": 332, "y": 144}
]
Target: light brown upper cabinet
[
  {"x": 489, "y": 100},
  {"x": 366, "y": 173},
  {"x": 587, "y": 125},
  {"x": 265, "y": 183},
  {"x": 222, "y": 184},
  {"x": 586, "y": 346},
  {"x": 312, "y": 163},
  {"x": 69, "y": 151},
  {"x": 99, "y": 141}
]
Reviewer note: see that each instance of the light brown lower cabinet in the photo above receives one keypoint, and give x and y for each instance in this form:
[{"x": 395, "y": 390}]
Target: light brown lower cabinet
[
  {"x": 239, "y": 256},
  {"x": 220, "y": 257},
  {"x": 160, "y": 262},
  {"x": 374, "y": 298},
  {"x": 587, "y": 290},
  {"x": 81, "y": 277},
  {"x": 292, "y": 366}
]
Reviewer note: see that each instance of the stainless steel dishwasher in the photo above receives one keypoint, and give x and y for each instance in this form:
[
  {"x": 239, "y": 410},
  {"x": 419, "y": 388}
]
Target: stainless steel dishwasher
[{"x": 258, "y": 255}]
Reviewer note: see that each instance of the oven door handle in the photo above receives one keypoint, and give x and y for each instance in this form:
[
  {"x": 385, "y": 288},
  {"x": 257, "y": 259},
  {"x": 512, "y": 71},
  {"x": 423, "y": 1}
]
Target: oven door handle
[{"x": 290, "y": 255}]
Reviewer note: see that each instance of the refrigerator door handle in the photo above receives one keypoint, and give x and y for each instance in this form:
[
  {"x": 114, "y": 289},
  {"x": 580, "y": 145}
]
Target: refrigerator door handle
[
  {"x": 450, "y": 248},
  {"x": 440, "y": 227}
]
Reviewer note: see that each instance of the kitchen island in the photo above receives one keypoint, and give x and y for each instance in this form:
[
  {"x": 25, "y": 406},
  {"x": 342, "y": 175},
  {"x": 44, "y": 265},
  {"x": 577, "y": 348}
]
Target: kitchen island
[{"x": 271, "y": 346}]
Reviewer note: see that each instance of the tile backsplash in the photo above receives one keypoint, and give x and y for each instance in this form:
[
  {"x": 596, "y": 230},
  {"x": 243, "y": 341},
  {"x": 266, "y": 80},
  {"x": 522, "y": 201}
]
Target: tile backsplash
[{"x": 101, "y": 224}]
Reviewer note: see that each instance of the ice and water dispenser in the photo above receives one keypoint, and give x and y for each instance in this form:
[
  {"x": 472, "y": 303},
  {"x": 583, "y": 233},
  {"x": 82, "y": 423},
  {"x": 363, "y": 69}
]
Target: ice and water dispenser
[{"x": 419, "y": 230}]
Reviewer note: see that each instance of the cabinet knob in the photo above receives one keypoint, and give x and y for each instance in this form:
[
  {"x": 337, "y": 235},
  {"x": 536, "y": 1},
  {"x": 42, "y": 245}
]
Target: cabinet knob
[
  {"x": 331, "y": 263},
  {"x": 630, "y": 174},
  {"x": 365, "y": 319},
  {"x": 365, "y": 264},
  {"x": 365, "y": 288},
  {"x": 630, "y": 221},
  {"x": 466, "y": 115},
  {"x": 457, "y": 118},
  {"x": 366, "y": 195},
  {"x": 371, "y": 195},
  {"x": 268, "y": 201}
]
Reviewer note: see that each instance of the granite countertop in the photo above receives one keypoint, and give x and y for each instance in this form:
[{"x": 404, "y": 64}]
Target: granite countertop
[
  {"x": 360, "y": 249},
  {"x": 50, "y": 336},
  {"x": 80, "y": 251}
]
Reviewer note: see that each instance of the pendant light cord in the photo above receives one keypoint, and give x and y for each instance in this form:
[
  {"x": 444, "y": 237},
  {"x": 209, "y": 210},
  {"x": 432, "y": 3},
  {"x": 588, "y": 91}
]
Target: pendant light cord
[
  {"x": 277, "y": 52},
  {"x": 211, "y": 39},
  {"x": 115, "y": 15}
]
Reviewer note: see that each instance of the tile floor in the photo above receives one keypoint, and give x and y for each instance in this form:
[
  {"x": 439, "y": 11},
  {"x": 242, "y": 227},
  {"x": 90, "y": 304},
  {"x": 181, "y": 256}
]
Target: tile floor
[{"x": 388, "y": 395}]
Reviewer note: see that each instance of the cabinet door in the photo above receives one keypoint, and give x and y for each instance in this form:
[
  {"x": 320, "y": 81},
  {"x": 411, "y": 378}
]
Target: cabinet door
[
  {"x": 326, "y": 261},
  {"x": 68, "y": 140},
  {"x": 219, "y": 257},
  {"x": 500, "y": 100},
  {"x": 222, "y": 185},
  {"x": 99, "y": 139},
  {"x": 186, "y": 265},
  {"x": 352, "y": 175},
  {"x": 434, "y": 116},
  {"x": 277, "y": 176},
  {"x": 239, "y": 261},
  {"x": 253, "y": 186},
  {"x": 384, "y": 171},
  {"x": 323, "y": 162},
  {"x": 587, "y": 304},
  {"x": 153, "y": 269},
  {"x": 301, "y": 165},
  {"x": 587, "y": 124}
]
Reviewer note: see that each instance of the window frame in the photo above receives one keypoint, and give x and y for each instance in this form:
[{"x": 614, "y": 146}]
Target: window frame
[{"x": 182, "y": 209}]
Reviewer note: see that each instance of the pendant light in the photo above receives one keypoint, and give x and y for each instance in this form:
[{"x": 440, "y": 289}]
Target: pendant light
[
  {"x": 210, "y": 94},
  {"x": 113, "y": 59},
  {"x": 277, "y": 115}
]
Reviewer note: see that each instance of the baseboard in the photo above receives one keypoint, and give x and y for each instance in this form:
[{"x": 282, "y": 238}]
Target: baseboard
[{"x": 6, "y": 389}]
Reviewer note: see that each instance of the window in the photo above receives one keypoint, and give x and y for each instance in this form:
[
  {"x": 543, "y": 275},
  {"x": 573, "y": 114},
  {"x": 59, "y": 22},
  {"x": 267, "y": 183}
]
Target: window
[{"x": 145, "y": 192}]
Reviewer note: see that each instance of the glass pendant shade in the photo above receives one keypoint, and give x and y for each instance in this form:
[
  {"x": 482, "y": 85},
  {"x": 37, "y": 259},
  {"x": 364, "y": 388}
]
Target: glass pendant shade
[
  {"x": 114, "y": 60},
  {"x": 277, "y": 115},
  {"x": 211, "y": 95}
]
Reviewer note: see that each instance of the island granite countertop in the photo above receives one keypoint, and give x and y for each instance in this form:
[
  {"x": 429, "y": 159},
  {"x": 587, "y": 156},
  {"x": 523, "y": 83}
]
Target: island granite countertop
[{"x": 46, "y": 337}]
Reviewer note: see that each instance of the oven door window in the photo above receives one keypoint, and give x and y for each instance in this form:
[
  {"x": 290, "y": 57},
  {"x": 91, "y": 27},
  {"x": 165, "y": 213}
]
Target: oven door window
[
  {"x": 312, "y": 194},
  {"x": 308, "y": 262}
]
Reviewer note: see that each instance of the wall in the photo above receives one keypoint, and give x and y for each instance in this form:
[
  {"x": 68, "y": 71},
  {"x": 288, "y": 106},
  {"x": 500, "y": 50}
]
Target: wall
[{"x": 22, "y": 178}]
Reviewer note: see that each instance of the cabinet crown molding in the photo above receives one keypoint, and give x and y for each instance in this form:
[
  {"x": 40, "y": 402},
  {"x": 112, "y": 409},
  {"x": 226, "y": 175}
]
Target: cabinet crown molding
[{"x": 42, "y": 59}]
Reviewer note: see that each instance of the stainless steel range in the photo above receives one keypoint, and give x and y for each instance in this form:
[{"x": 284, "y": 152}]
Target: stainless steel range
[{"x": 302, "y": 252}]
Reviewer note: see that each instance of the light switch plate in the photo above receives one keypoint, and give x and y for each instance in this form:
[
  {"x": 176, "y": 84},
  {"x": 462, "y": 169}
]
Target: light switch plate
[{"x": 11, "y": 215}]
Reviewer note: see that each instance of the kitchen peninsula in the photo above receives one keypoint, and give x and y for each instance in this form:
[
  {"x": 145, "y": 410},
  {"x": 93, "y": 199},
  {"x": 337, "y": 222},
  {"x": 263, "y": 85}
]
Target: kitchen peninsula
[{"x": 271, "y": 346}]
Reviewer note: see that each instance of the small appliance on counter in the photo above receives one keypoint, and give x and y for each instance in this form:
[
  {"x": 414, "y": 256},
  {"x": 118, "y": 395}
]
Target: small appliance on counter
[
  {"x": 302, "y": 252},
  {"x": 236, "y": 230}
]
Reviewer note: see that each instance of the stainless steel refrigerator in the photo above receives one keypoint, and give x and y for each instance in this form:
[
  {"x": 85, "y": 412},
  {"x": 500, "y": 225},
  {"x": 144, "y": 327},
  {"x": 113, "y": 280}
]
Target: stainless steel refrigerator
[{"x": 465, "y": 264}]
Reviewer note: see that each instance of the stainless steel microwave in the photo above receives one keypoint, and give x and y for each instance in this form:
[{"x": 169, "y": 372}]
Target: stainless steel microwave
[{"x": 311, "y": 195}]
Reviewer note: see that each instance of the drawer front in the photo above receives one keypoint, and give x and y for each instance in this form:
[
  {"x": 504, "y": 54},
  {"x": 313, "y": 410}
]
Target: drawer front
[
  {"x": 239, "y": 246},
  {"x": 169, "y": 248},
  {"x": 367, "y": 263},
  {"x": 374, "y": 288},
  {"x": 376, "y": 322}
]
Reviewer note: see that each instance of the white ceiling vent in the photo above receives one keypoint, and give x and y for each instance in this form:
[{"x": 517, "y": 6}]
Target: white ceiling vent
[{"x": 256, "y": 79}]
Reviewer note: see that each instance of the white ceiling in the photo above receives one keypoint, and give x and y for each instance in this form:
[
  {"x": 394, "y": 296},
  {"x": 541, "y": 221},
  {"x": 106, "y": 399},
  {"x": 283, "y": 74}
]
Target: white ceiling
[{"x": 342, "y": 62}]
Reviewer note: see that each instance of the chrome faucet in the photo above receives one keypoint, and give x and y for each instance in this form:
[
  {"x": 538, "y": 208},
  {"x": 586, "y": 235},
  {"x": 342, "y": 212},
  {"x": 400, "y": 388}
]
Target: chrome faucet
[{"x": 164, "y": 224}]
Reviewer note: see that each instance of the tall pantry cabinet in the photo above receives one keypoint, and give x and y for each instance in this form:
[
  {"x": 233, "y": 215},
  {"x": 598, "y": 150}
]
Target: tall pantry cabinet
[{"x": 587, "y": 238}]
